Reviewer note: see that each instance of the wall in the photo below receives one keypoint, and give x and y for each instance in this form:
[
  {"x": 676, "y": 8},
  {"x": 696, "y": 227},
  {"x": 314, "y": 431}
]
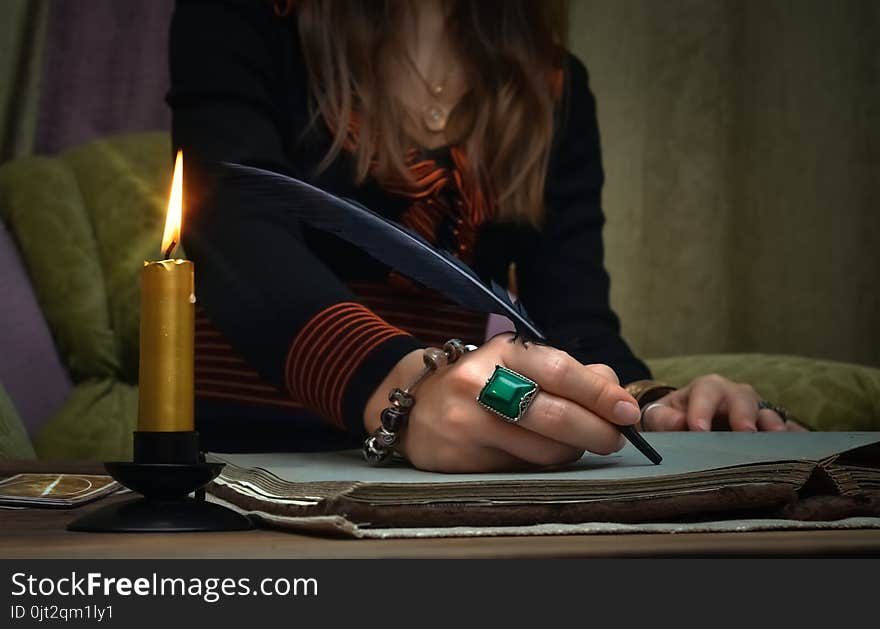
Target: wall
[{"x": 742, "y": 151}]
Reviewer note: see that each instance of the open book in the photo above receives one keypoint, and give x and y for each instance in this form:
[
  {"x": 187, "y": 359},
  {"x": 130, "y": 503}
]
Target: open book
[{"x": 703, "y": 475}]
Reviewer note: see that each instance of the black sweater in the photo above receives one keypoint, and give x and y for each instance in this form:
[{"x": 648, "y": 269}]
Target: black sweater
[{"x": 294, "y": 308}]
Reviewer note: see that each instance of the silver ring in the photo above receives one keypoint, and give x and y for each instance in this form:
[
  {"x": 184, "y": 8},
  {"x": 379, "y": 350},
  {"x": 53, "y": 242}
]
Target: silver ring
[{"x": 646, "y": 409}]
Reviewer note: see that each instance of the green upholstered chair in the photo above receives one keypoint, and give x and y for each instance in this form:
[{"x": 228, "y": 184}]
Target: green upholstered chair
[{"x": 84, "y": 221}]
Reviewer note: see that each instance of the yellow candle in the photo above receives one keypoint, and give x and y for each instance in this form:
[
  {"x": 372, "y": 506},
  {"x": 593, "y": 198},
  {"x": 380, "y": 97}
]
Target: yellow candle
[{"x": 167, "y": 330}]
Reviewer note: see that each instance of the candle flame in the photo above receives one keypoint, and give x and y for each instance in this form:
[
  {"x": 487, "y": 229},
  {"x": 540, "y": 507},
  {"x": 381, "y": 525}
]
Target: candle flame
[{"x": 171, "y": 237}]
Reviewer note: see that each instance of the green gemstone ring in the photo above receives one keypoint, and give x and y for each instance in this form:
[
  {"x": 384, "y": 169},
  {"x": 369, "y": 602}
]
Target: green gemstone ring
[{"x": 508, "y": 394}]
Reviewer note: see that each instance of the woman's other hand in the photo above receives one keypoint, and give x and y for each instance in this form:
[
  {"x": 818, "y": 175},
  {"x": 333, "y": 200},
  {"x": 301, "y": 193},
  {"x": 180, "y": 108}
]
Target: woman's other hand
[
  {"x": 579, "y": 408},
  {"x": 713, "y": 402}
]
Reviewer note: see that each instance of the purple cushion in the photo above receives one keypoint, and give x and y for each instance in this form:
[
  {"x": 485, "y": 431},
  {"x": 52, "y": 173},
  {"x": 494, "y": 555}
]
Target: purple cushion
[{"x": 30, "y": 368}]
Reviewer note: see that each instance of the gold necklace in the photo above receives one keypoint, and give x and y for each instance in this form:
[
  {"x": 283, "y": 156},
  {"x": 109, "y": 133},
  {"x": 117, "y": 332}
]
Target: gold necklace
[{"x": 434, "y": 115}]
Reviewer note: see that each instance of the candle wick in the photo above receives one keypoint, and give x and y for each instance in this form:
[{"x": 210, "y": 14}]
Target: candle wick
[{"x": 170, "y": 249}]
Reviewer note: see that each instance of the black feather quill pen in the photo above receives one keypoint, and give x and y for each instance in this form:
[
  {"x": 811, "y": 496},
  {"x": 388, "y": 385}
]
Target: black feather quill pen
[{"x": 390, "y": 243}]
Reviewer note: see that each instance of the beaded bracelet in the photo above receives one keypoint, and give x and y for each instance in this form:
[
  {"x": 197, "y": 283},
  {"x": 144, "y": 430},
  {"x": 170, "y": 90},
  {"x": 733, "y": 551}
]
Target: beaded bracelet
[{"x": 379, "y": 447}]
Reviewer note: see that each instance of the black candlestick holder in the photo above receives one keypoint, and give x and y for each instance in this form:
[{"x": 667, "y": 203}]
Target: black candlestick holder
[{"x": 167, "y": 468}]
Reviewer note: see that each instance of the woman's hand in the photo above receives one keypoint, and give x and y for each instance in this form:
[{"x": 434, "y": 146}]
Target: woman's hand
[
  {"x": 577, "y": 409},
  {"x": 713, "y": 402}
]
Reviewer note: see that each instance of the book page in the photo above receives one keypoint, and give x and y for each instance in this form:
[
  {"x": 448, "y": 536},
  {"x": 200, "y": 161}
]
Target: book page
[{"x": 683, "y": 453}]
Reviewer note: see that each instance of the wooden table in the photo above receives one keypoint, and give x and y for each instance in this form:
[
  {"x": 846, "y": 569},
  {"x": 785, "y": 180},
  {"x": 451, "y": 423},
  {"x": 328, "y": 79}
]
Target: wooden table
[{"x": 41, "y": 533}]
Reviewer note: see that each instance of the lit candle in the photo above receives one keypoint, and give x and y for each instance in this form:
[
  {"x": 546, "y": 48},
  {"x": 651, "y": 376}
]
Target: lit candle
[{"x": 167, "y": 329}]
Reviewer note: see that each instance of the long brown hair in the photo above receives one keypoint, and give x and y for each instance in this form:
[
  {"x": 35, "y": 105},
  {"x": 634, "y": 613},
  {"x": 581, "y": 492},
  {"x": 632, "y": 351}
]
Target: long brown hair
[{"x": 511, "y": 54}]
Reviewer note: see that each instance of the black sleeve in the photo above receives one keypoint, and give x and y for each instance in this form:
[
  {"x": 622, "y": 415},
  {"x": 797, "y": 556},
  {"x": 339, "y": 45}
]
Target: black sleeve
[
  {"x": 563, "y": 283},
  {"x": 269, "y": 295}
]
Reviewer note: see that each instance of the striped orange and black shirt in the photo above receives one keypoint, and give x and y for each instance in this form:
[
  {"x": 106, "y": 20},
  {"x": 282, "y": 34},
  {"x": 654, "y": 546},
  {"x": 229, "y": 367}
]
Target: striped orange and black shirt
[{"x": 296, "y": 328}]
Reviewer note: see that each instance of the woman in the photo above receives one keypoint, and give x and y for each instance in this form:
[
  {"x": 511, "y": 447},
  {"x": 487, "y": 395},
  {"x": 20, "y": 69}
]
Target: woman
[{"x": 465, "y": 121}]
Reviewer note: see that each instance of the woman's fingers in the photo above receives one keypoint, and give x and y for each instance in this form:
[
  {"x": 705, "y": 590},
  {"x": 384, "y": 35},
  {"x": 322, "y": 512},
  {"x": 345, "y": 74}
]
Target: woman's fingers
[
  {"x": 704, "y": 400},
  {"x": 559, "y": 374},
  {"x": 770, "y": 420},
  {"x": 742, "y": 405},
  {"x": 464, "y": 458},
  {"x": 605, "y": 371},
  {"x": 563, "y": 421},
  {"x": 660, "y": 417},
  {"x": 793, "y": 426},
  {"x": 716, "y": 401},
  {"x": 527, "y": 445}
]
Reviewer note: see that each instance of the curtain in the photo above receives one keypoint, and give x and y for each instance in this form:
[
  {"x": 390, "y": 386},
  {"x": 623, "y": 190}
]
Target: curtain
[
  {"x": 741, "y": 144},
  {"x": 105, "y": 70},
  {"x": 22, "y": 30}
]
